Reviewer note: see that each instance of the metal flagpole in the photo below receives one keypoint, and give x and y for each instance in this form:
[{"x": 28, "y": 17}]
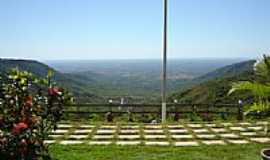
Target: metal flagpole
[{"x": 164, "y": 64}]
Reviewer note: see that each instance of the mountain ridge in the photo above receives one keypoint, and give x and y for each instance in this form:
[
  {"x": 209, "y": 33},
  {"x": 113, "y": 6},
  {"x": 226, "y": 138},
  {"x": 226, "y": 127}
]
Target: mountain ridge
[
  {"x": 89, "y": 86},
  {"x": 214, "y": 86}
]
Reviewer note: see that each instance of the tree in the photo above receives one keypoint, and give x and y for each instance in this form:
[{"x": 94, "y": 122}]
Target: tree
[{"x": 260, "y": 87}]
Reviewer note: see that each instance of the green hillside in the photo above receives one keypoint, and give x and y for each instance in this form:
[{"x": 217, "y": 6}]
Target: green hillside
[
  {"x": 213, "y": 87},
  {"x": 227, "y": 71},
  {"x": 72, "y": 83}
]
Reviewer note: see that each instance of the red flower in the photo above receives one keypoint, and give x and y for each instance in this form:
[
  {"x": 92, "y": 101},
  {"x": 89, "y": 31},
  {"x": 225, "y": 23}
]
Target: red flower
[
  {"x": 54, "y": 91},
  {"x": 18, "y": 128}
]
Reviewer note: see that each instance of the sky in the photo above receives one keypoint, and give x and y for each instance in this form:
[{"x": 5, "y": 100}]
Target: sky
[{"x": 132, "y": 29}]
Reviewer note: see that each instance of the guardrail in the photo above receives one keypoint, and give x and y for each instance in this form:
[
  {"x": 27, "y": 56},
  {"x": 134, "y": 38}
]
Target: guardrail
[{"x": 176, "y": 108}]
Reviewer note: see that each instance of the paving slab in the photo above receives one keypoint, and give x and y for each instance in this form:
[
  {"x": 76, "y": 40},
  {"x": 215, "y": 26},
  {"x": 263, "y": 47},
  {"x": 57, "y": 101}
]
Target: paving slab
[
  {"x": 129, "y": 131},
  {"x": 101, "y": 131},
  {"x": 103, "y": 137},
  {"x": 100, "y": 143},
  {"x": 248, "y": 133},
  {"x": 184, "y": 144},
  {"x": 260, "y": 140},
  {"x": 188, "y": 136},
  {"x": 206, "y": 136},
  {"x": 59, "y": 131},
  {"x": 55, "y": 135},
  {"x": 87, "y": 126},
  {"x": 78, "y": 136},
  {"x": 131, "y": 127},
  {"x": 255, "y": 128},
  {"x": 128, "y": 143},
  {"x": 156, "y": 143},
  {"x": 83, "y": 131},
  {"x": 211, "y": 125},
  {"x": 70, "y": 142},
  {"x": 219, "y": 130},
  {"x": 262, "y": 123},
  {"x": 214, "y": 142},
  {"x": 245, "y": 124},
  {"x": 175, "y": 126},
  {"x": 155, "y": 136},
  {"x": 178, "y": 130},
  {"x": 238, "y": 141},
  {"x": 153, "y": 127},
  {"x": 153, "y": 131},
  {"x": 229, "y": 135},
  {"x": 49, "y": 141},
  {"x": 64, "y": 126},
  {"x": 200, "y": 130},
  {"x": 237, "y": 129},
  {"x": 108, "y": 127},
  {"x": 195, "y": 125},
  {"x": 129, "y": 136},
  {"x": 227, "y": 124}
]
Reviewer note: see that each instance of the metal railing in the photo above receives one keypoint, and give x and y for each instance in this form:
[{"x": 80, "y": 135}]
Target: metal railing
[{"x": 90, "y": 108}]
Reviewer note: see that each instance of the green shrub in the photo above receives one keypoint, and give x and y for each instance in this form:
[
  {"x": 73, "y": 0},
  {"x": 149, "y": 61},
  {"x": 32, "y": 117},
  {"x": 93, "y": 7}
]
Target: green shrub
[{"x": 29, "y": 109}]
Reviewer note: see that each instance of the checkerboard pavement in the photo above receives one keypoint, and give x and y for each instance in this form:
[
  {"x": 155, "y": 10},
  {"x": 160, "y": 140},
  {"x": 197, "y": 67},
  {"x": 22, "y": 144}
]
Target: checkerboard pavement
[{"x": 180, "y": 135}]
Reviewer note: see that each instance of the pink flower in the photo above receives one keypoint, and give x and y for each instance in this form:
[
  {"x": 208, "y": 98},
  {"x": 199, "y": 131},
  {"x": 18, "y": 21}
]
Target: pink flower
[{"x": 54, "y": 91}]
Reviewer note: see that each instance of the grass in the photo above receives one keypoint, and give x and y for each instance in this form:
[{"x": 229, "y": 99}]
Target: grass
[{"x": 86, "y": 152}]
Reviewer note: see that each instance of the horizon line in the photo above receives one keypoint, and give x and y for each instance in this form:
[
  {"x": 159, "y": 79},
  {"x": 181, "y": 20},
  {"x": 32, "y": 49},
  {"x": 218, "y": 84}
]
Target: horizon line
[{"x": 112, "y": 59}]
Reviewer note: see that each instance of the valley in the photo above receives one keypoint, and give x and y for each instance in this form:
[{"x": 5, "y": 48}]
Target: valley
[{"x": 97, "y": 81}]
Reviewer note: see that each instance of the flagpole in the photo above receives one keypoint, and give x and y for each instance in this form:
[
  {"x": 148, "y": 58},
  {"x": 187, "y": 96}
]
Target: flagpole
[{"x": 164, "y": 65}]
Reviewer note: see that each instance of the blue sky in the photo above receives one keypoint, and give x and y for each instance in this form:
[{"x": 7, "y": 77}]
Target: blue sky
[{"x": 113, "y": 29}]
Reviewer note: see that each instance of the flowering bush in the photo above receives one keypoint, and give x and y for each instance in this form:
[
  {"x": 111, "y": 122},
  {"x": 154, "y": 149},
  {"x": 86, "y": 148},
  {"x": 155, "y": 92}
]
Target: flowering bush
[{"x": 30, "y": 107}]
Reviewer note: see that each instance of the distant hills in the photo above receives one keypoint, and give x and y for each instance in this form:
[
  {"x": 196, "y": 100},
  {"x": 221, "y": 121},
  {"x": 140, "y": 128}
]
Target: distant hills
[
  {"x": 191, "y": 81},
  {"x": 73, "y": 83},
  {"x": 213, "y": 87},
  {"x": 37, "y": 68},
  {"x": 138, "y": 78},
  {"x": 228, "y": 71}
]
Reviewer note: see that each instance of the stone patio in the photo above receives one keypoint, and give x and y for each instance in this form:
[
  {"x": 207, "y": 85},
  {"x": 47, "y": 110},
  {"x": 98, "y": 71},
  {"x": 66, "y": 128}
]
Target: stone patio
[{"x": 179, "y": 135}]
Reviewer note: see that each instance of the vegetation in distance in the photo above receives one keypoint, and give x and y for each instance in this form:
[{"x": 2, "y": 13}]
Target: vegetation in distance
[{"x": 141, "y": 84}]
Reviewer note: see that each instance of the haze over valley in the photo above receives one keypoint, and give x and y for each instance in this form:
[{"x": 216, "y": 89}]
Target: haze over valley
[{"x": 135, "y": 80}]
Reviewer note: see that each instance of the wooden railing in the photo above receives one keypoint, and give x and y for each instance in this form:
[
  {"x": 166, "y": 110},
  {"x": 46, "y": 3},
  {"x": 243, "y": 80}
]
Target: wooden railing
[{"x": 88, "y": 108}]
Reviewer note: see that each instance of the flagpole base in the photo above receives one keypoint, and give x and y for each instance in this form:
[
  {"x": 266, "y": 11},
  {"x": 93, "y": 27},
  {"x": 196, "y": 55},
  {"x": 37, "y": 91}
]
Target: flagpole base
[{"x": 163, "y": 112}]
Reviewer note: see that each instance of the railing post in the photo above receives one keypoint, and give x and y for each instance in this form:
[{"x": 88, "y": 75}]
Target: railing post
[
  {"x": 208, "y": 108},
  {"x": 163, "y": 112},
  {"x": 78, "y": 110},
  {"x": 240, "y": 111},
  {"x": 194, "y": 108}
]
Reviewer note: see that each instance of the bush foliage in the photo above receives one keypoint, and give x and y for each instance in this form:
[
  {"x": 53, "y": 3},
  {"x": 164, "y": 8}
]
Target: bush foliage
[{"x": 30, "y": 107}]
